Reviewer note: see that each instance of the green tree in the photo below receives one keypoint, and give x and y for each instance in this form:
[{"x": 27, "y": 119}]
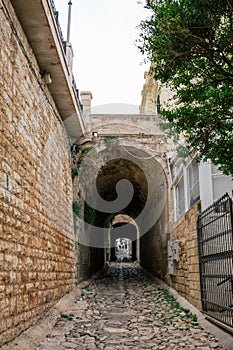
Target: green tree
[{"x": 190, "y": 45}]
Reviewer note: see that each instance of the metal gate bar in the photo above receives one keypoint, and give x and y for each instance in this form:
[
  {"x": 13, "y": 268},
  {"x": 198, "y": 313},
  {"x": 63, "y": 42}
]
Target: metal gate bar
[{"x": 215, "y": 247}]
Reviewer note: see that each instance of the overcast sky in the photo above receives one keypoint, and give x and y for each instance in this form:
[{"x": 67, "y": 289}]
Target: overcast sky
[{"x": 106, "y": 61}]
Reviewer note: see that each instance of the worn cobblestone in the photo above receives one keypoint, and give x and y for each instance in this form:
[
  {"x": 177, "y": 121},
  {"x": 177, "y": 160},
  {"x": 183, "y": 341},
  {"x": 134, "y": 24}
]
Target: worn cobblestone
[{"x": 126, "y": 309}]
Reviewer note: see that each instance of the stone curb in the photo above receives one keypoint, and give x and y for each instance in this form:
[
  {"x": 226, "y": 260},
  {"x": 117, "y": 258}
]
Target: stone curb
[{"x": 33, "y": 336}]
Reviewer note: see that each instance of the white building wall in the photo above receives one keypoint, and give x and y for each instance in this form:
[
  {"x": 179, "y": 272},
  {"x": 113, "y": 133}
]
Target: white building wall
[
  {"x": 212, "y": 184},
  {"x": 206, "y": 186}
]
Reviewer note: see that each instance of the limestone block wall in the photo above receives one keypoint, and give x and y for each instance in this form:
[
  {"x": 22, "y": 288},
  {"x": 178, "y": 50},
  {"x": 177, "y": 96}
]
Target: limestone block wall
[
  {"x": 36, "y": 230},
  {"x": 187, "y": 279},
  {"x": 153, "y": 248},
  {"x": 141, "y": 125}
]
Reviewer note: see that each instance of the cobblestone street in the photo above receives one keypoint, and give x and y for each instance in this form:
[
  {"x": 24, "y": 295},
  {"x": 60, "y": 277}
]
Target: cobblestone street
[{"x": 126, "y": 309}]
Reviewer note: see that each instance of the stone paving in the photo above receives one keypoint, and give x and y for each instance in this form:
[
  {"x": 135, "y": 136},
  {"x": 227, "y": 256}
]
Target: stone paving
[{"x": 126, "y": 309}]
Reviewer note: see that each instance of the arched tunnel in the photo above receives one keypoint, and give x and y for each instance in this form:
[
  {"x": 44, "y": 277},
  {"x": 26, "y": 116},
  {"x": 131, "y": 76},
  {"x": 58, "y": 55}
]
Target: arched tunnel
[
  {"x": 126, "y": 181},
  {"x": 131, "y": 234}
]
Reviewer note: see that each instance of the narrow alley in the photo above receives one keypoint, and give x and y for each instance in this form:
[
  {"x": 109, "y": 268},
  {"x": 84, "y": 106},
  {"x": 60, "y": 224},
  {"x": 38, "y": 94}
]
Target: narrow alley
[
  {"x": 126, "y": 309},
  {"x": 101, "y": 181}
]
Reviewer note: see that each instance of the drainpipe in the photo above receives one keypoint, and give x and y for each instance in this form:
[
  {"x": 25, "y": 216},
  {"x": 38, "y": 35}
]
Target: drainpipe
[
  {"x": 69, "y": 50},
  {"x": 169, "y": 170},
  {"x": 172, "y": 190},
  {"x": 69, "y": 22}
]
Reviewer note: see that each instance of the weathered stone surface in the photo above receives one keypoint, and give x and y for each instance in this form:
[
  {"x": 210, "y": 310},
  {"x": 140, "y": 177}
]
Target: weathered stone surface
[
  {"x": 187, "y": 280},
  {"x": 37, "y": 261},
  {"x": 136, "y": 294},
  {"x": 36, "y": 243}
]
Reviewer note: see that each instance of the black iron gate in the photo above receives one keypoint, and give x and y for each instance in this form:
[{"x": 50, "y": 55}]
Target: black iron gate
[{"x": 215, "y": 244}]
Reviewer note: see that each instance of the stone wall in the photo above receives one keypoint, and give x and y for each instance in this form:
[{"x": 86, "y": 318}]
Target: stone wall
[
  {"x": 36, "y": 234},
  {"x": 153, "y": 248},
  {"x": 187, "y": 279},
  {"x": 139, "y": 125}
]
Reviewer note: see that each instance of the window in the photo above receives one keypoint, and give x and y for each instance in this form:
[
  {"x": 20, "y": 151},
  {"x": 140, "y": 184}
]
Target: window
[
  {"x": 180, "y": 199},
  {"x": 176, "y": 169},
  {"x": 193, "y": 184},
  {"x": 221, "y": 183}
]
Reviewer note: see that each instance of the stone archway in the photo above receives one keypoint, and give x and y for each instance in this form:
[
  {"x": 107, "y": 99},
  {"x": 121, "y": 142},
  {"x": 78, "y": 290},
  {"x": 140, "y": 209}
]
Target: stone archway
[
  {"x": 112, "y": 167},
  {"x": 130, "y": 233},
  {"x": 133, "y": 234}
]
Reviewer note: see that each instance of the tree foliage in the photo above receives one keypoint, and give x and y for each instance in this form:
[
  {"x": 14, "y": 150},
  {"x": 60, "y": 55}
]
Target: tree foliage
[{"x": 190, "y": 45}]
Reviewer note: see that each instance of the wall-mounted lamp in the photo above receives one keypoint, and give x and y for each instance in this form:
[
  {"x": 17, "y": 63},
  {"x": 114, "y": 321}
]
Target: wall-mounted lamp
[{"x": 95, "y": 134}]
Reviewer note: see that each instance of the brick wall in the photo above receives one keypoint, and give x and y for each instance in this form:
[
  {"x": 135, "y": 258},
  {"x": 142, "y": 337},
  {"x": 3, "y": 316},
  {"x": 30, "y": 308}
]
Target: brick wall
[
  {"x": 36, "y": 234},
  {"x": 187, "y": 281}
]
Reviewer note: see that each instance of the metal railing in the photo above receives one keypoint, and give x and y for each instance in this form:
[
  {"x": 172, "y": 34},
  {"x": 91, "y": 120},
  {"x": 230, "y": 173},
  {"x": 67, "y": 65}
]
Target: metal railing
[
  {"x": 215, "y": 244},
  {"x": 56, "y": 17}
]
